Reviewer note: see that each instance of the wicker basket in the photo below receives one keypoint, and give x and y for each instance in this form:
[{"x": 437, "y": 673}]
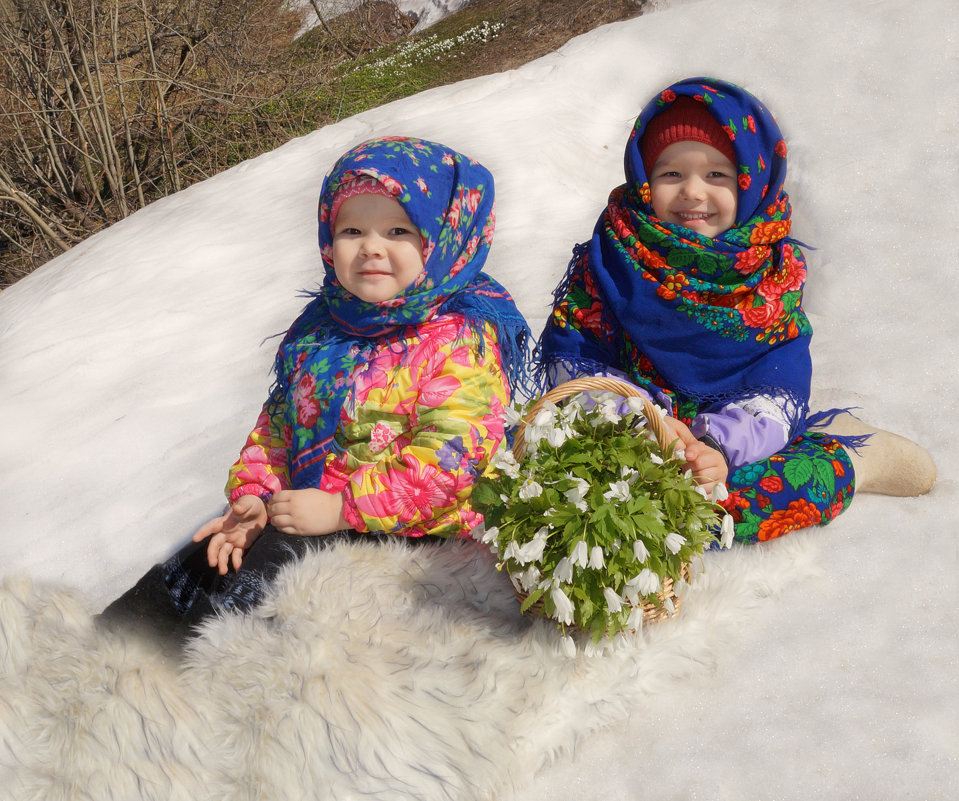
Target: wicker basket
[{"x": 654, "y": 421}]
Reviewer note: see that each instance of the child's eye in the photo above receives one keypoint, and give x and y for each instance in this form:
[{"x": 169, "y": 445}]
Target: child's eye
[
  {"x": 399, "y": 231},
  {"x": 348, "y": 231}
]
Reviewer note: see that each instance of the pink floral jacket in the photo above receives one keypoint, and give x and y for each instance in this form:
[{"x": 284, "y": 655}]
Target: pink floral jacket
[{"x": 419, "y": 426}]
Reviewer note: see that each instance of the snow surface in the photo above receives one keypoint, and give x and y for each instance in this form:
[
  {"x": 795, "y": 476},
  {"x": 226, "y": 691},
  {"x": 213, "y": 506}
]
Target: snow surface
[{"x": 133, "y": 366}]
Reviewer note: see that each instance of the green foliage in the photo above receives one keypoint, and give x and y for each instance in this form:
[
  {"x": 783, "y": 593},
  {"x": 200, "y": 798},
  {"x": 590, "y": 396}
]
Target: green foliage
[{"x": 595, "y": 516}]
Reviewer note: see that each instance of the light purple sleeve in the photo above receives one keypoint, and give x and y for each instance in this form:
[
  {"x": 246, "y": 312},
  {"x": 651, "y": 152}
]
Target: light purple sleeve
[{"x": 747, "y": 431}]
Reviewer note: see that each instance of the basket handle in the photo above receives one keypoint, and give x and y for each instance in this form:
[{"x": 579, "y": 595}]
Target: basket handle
[{"x": 562, "y": 391}]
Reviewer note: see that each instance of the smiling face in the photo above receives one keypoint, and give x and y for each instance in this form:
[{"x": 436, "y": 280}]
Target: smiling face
[
  {"x": 377, "y": 251},
  {"x": 694, "y": 185}
]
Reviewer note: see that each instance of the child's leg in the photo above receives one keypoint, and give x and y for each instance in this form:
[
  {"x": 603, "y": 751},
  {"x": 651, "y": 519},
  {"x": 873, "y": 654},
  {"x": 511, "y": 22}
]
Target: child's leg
[
  {"x": 807, "y": 483},
  {"x": 887, "y": 464}
]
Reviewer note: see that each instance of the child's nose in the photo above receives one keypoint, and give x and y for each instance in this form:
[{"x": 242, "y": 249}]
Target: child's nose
[
  {"x": 372, "y": 245},
  {"x": 692, "y": 188}
]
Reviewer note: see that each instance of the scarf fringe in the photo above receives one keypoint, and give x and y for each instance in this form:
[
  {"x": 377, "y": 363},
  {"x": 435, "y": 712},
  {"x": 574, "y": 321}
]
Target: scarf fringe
[{"x": 821, "y": 420}]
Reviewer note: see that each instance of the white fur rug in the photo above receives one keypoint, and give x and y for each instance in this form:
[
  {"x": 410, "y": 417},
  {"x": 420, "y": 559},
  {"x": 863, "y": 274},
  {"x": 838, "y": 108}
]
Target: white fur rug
[{"x": 372, "y": 672}]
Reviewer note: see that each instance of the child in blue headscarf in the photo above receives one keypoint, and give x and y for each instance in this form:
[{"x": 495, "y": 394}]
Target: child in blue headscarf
[
  {"x": 691, "y": 289},
  {"x": 389, "y": 389}
]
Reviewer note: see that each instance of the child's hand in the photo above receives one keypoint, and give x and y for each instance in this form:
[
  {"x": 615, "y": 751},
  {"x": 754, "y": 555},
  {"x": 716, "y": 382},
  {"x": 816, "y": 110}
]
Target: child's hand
[
  {"x": 307, "y": 512},
  {"x": 708, "y": 465},
  {"x": 233, "y": 532}
]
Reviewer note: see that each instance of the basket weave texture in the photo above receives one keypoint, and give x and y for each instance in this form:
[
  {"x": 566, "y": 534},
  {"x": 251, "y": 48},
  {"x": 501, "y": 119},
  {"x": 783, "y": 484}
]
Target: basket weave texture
[{"x": 652, "y": 612}]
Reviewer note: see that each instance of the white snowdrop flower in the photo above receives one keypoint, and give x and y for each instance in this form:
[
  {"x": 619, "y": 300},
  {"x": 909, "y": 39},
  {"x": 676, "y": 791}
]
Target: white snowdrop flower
[
  {"x": 702, "y": 491},
  {"x": 613, "y": 602},
  {"x": 563, "y": 572},
  {"x": 647, "y": 582},
  {"x": 532, "y": 551},
  {"x": 529, "y": 578},
  {"x": 635, "y": 621},
  {"x": 530, "y": 489},
  {"x": 580, "y": 554},
  {"x": 512, "y": 551},
  {"x": 596, "y": 560},
  {"x": 568, "y": 646},
  {"x": 546, "y": 417},
  {"x": 636, "y": 405},
  {"x": 628, "y": 474},
  {"x": 577, "y": 492},
  {"x": 727, "y": 531},
  {"x": 655, "y": 458},
  {"x": 512, "y": 416},
  {"x": 506, "y": 463},
  {"x": 562, "y": 604},
  {"x": 489, "y": 535},
  {"x": 572, "y": 410},
  {"x": 680, "y": 586},
  {"x": 719, "y": 493},
  {"x": 556, "y": 437},
  {"x": 504, "y": 498},
  {"x": 670, "y": 606},
  {"x": 640, "y": 551},
  {"x": 674, "y": 542},
  {"x": 606, "y": 412},
  {"x": 618, "y": 490}
]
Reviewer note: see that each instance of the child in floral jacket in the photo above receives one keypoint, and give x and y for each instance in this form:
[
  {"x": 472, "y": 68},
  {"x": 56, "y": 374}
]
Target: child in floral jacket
[
  {"x": 389, "y": 390},
  {"x": 691, "y": 288}
]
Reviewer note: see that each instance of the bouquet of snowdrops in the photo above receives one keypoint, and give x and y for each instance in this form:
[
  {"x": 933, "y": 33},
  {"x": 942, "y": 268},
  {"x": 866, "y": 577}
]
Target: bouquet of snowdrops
[{"x": 593, "y": 514}]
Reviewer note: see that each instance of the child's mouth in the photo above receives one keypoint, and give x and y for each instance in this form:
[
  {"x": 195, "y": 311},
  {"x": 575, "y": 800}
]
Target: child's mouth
[{"x": 693, "y": 216}]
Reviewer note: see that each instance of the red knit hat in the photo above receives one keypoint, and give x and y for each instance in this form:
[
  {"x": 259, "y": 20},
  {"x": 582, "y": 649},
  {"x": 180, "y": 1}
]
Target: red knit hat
[
  {"x": 362, "y": 185},
  {"x": 684, "y": 121}
]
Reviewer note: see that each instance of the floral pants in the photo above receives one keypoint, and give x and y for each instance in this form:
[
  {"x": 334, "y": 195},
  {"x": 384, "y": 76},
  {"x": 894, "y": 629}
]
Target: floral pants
[{"x": 807, "y": 483}]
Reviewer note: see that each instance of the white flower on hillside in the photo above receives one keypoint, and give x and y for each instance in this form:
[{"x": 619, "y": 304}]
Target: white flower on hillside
[
  {"x": 674, "y": 542},
  {"x": 613, "y": 602},
  {"x": 596, "y": 560},
  {"x": 563, "y": 606},
  {"x": 640, "y": 551},
  {"x": 727, "y": 531},
  {"x": 618, "y": 490},
  {"x": 530, "y": 489},
  {"x": 580, "y": 554},
  {"x": 563, "y": 572}
]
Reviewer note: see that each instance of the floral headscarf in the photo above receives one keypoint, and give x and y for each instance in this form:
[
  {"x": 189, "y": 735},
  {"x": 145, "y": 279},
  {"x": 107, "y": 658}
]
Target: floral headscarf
[
  {"x": 713, "y": 319},
  {"x": 449, "y": 198}
]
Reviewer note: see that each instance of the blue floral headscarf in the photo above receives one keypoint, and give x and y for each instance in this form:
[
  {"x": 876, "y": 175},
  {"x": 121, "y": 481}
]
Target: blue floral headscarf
[
  {"x": 712, "y": 319},
  {"x": 449, "y": 198}
]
